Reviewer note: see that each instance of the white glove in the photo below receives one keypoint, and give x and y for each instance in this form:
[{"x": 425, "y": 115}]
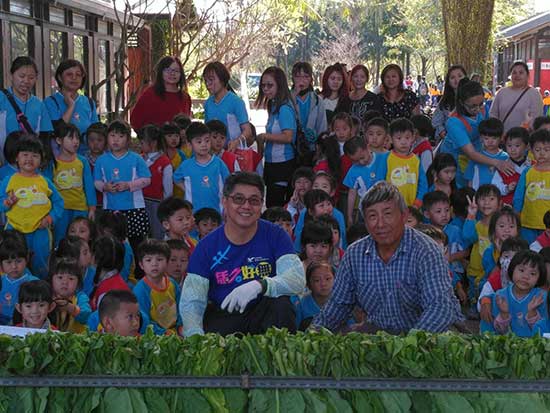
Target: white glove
[{"x": 239, "y": 298}]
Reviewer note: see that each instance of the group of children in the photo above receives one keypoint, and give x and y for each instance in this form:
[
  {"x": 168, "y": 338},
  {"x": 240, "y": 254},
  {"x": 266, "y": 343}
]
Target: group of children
[{"x": 101, "y": 239}]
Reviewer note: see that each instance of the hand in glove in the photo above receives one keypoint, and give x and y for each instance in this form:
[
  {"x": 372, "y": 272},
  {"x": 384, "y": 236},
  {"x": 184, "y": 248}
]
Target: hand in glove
[{"x": 239, "y": 298}]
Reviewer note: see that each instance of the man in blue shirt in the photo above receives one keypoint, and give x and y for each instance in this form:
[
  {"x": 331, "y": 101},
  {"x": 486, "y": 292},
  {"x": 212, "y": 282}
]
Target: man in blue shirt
[
  {"x": 246, "y": 269},
  {"x": 397, "y": 275}
]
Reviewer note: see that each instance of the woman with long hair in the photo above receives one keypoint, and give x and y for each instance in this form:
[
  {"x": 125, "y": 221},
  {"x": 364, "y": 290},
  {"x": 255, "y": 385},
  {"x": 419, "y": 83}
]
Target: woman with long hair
[
  {"x": 335, "y": 86},
  {"x": 360, "y": 100},
  {"x": 395, "y": 100}
]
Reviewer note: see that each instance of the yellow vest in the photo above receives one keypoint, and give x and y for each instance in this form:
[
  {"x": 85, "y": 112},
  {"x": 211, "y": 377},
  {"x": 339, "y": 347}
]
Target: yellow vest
[
  {"x": 536, "y": 200},
  {"x": 33, "y": 202},
  {"x": 403, "y": 173},
  {"x": 475, "y": 268},
  {"x": 67, "y": 177}
]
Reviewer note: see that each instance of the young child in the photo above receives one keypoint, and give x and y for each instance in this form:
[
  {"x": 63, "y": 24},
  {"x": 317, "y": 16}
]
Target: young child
[
  {"x": 178, "y": 261},
  {"x": 161, "y": 186},
  {"x": 499, "y": 276},
  {"x": 108, "y": 258},
  {"x": 121, "y": 175},
  {"x": 543, "y": 240},
  {"x": 504, "y": 224},
  {"x": 84, "y": 228},
  {"x": 218, "y": 133},
  {"x": 97, "y": 142},
  {"x": 72, "y": 176},
  {"x": 72, "y": 305},
  {"x": 10, "y": 166},
  {"x": 341, "y": 126},
  {"x": 302, "y": 180},
  {"x": 157, "y": 294},
  {"x": 281, "y": 217},
  {"x": 113, "y": 224},
  {"x": 519, "y": 306},
  {"x": 76, "y": 248},
  {"x": 404, "y": 169},
  {"x": 490, "y": 131},
  {"x": 183, "y": 122},
  {"x": 376, "y": 134},
  {"x": 423, "y": 132},
  {"x": 415, "y": 217},
  {"x": 532, "y": 196},
  {"x": 476, "y": 232},
  {"x": 442, "y": 173},
  {"x": 316, "y": 243},
  {"x": 337, "y": 252},
  {"x": 517, "y": 141},
  {"x": 202, "y": 176},
  {"x": 32, "y": 203},
  {"x": 459, "y": 204},
  {"x": 172, "y": 148},
  {"x": 176, "y": 217},
  {"x": 367, "y": 169},
  {"x": 13, "y": 263},
  {"x": 119, "y": 313},
  {"x": 542, "y": 122},
  {"x": 328, "y": 158},
  {"x": 207, "y": 220},
  {"x": 34, "y": 304},
  {"x": 319, "y": 280}
]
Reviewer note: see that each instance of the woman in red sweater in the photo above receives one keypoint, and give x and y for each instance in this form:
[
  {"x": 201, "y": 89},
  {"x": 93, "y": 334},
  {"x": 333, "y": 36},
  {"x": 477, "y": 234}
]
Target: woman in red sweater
[{"x": 165, "y": 99}]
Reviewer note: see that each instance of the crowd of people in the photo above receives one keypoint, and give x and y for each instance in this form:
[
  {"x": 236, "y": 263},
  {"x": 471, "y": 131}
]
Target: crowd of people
[{"x": 353, "y": 211}]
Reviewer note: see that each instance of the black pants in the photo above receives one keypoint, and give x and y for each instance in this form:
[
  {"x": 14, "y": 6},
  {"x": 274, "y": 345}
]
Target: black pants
[
  {"x": 268, "y": 312},
  {"x": 277, "y": 177}
]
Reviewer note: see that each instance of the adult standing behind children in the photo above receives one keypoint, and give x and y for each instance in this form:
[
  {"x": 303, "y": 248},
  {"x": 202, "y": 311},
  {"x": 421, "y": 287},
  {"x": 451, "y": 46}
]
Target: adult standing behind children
[
  {"x": 246, "y": 268},
  {"x": 224, "y": 105},
  {"x": 163, "y": 100},
  {"x": 397, "y": 275},
  {"x": 518, "y": 104},
  {"x": 395, "y": 101},
  {"x": 335, "y": 88},
  {"x": 360, "y": 100}
]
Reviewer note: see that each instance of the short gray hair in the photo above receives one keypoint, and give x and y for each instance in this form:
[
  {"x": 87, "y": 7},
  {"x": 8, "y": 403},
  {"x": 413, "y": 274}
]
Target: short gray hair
[{"x": 382, "y": 192}]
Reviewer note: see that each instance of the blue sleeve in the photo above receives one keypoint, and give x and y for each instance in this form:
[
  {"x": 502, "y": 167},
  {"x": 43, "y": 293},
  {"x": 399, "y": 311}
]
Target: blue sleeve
[
  {"x": 45, "y": 121},
  {"x": 422, "y": 183},
  {"x": 488, "y": 261},
  {"x": 89, "y": 188},
  {"x": 3, "y": 194},
  {"x": 342, "y": 224},
  {"x": 179, "y": 173},
  {"x": 469, "y": 233},
  {"x": 93, "y": 321},
  {"x": 519, "y": 194},
  {"x": 53, "y": 109},
  {"x": 240, "y": 111},
  {"x": 83, "y": 303},
  {"x": 128, "y": 261},
  {"x": 94, "y": 118},
  {"x": 457, "y": 133},
  {"x": 48, "y": 171},
  {"x": 298, "y": 231},
  {"x": 485, "y": 327},
  {"x": 469, "y": 172},
  {"x": 224, "y": 171},
  {"x": 98, "y": 170},
  {"x": 142, "y": 293},
  {"x": 58, "y": 205},
  {"x": 287, "y": 118},
  {"x": 142, "y": 169},
  {"x": 350, "y": 178}
]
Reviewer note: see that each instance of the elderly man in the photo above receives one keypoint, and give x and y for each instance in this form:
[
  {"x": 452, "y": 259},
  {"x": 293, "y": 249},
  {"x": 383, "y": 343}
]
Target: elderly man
[
  {"x": 246, "y": 269},
  {"x": 397, "y": 275}
]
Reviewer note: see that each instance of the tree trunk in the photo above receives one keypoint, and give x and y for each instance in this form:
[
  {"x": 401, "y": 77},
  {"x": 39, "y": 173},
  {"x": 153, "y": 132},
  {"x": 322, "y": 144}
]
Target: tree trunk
[
  {"x": 467, "y": 28},
  {"x": 424, "y": 62}
]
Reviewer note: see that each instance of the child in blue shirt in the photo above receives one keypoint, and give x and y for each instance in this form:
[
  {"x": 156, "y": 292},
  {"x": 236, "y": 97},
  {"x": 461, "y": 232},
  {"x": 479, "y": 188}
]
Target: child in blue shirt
[
  {"x": 13, "y": 263},
  {"x": 490, "y": 131},
  {"x": 367, "y": 169},
  {"x": 319, "y": 280},
  {"x": 10, "y": 166},
  {"x": 202, "y": 176}
]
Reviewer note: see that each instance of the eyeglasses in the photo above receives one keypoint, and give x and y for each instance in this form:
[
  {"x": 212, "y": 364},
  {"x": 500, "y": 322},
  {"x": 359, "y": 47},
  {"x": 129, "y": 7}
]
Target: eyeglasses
[
  {"x": 474, "y": 106},
  {"x": 267, "y": 85},
  {"x": 170, "y": 71},
  {"x": 239, "y": 199}
]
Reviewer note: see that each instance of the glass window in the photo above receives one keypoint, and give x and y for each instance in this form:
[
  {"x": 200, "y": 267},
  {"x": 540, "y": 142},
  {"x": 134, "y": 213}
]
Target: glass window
[
  {"x": 544, "y": 49},
  {"x": 81, "y": 54},
  {"x": 79, "y": 21},
  {"x": 21, "y": 7},
  {"x": 20, "y": 40},
  {"x": 103, "y": 94},
  {"x": 57, "y": 15},
  {"x": 102, "y": 27},
  {"x": 58, "y": 52}
]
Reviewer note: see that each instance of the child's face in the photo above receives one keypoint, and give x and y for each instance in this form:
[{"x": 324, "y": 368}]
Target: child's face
[
  {"x": 179, "y": 223},
  {"x": 516, "y": 148},
  {"x": 317, "y": 252},
  {"x": 153, "y": 265},
  {"x": 125, "y": 322},
  {"x": 322, "y": 208},
  {"x": 69, "y": 144},
  {"x": 439, "y": 214},
  {"x": 341, "y": 130},
  {"x": 361, "y": 157},
  {"x": 321, "y": 281},
  {"x": 525, "y": 277},
  {"x": 177, "y": 264},
  {"x": 302, "y": 185},
  {"x": 206, "y": 226},
  {"x": 286, "y": 225},
  {"x": 411, "y": 222},
  {"x": 35, "y": 313},
  {"x": 81, "y": 230},
  {"x": 335, "y": 237},
  {"x": 402, "y": 142},
  {"x": 505, "y": 228},
  {"x": 541, "y": 152},
  {"x": 322, "y": 183},
  {"x": 14, "y": 267},
  {"x": 488, "y": 204},
  {"x": 217, "y": 140},
  {"x": 201, "y": 145},
  {"x": 376, "y": 137},
  {"x": 96, "y": 143},
  {"x": 118, "y": 142},
  {"x": 148, "y": 146},
  {"x": 490, "y": 143},
  {"x": 172, "y": 140},
  {"x": 64, "y": 285},
  {"x": 446, "y": 175},
  {"x": 85, "y": 258},
  {"x": 28, "y": 162}
]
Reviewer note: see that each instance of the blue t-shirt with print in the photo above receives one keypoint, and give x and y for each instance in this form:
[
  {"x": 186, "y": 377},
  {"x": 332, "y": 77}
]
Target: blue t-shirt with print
[
  {"x": 362, "y": 177},
  {"x": 9, "y": 294},
  {"x": 285, "y": 119},
  {"x": 228, "y": 266},
  {"x": 231, "y": 110},
  {"x": 481, "y": 174},
  {"x": 303, "y": 108}
]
